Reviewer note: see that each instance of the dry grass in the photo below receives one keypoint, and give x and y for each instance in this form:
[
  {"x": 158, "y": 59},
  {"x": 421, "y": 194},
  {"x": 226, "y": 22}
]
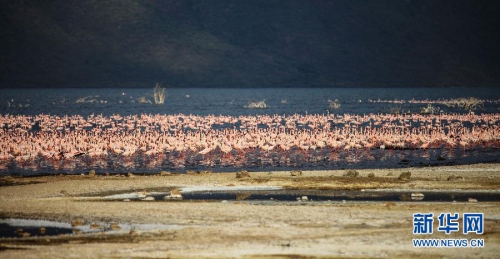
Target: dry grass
[
  {"x": 334, "y": 104},
  {"x": 429, "y": 109},
  {"x": 256, "y": 105},
  {"x": 143, "y": 99},
  {"x": 159, "y": 94},
  {"x": 87, "y": 99},
  {"x": 395, "y": 110},
  {"x": 469, "y": 104}
]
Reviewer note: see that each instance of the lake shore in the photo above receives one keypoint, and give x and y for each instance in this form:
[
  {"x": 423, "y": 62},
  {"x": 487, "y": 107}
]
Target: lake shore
[{"x": 240, "y": 228}]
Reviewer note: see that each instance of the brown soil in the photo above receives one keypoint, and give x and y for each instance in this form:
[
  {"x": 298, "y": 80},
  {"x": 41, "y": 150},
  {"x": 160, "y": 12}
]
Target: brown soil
[{"x": 241, "y": 229}]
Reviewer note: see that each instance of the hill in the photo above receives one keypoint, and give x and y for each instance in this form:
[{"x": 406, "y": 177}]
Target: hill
[{"x": 258, "y": 43}]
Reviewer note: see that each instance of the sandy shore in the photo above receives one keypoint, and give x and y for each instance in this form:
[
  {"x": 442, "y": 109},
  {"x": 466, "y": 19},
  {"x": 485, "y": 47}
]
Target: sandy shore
[{"x": 242, "y": 229}]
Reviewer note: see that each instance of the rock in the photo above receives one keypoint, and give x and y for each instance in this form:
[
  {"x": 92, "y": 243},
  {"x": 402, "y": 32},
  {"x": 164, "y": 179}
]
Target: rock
[
  {"x": 304, "y": 198},
  {"x": 351, "y": 173},
  {"x": 472, "y": 200},
  {"x": 19, "y": 231},
  {"x": 243, "y": 196},
  {"x": 77, "y": 222},
  {"x": 417, "y": 196},
  {"x": 149, "y": 199},
  {"x": 42, "y": 230},
  {"x": 114, "y": 226},
  {"x": 130, "y": 175},
  {"x": 296, "y": 173},
  {"x": 26, "y": 234},
  {"x": 371, "y": 175},
  {"x": 95, "y": 226},
  {"x": 132, "y": 232},
  {"x": 404, "y": 176},
  {"x": 242, "y": 174},
  {"x": 174, "y": 195},
  {"x": 92, "y": 173}
]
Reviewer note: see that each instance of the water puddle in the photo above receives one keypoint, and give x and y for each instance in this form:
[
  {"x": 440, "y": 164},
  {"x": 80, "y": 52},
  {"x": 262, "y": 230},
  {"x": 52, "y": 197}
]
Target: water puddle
[
  {"x": 13, "y": 228},
  {"x": 321, "y": 196},
  {"x": 278, "y": 195},
  {"x": 7, "y": 230}
]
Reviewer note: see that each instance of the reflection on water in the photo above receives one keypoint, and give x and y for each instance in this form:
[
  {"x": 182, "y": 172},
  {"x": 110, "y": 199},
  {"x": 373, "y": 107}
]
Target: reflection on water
[{"x": 254, "y": 160}]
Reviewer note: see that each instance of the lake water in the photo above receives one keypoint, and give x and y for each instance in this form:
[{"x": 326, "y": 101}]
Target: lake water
[
  {"x": 232, "y": 102},
  {"x": 197, "y": 101}
]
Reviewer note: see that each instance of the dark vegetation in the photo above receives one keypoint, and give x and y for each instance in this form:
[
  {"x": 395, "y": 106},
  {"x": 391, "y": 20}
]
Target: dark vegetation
[{"x": 259, "y": 43}]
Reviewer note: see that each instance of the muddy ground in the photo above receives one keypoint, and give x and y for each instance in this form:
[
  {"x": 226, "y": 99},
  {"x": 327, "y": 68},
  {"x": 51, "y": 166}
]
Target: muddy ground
[{"x": 215, "y": 229}]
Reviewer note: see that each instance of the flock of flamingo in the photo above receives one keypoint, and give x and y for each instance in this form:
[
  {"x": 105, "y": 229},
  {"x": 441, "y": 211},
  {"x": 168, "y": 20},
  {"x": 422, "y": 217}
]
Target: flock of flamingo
[{"x": 69, "y": 141}]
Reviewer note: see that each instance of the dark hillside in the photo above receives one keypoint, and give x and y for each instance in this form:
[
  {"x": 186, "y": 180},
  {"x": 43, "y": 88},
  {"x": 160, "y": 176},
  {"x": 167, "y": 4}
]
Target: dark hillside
[{"x": 258, "y": 43}]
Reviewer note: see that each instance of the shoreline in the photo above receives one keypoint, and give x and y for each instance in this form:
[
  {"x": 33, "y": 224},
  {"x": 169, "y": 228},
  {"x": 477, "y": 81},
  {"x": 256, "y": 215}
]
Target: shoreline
[{"x": 214, "y": 229}]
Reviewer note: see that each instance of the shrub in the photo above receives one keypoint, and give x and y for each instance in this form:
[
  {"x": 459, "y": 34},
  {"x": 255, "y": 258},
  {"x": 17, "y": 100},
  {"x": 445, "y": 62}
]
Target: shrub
[{"x": 159, "y": 94}]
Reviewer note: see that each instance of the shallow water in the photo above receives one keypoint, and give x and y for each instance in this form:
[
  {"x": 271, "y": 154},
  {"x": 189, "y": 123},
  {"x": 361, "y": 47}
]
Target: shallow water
[
  {"x": 109, "y": 101},
  {"x": 318, "y": 159},
  {"x": 7, "y": 230},
  {"x": 359, "y": 196},
  {"x": 277, "y": 196},
  {"x": 12, "y": 228}
]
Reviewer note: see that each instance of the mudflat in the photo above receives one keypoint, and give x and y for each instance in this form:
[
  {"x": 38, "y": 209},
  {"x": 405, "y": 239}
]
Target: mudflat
[{"x": 244, "y": 228}]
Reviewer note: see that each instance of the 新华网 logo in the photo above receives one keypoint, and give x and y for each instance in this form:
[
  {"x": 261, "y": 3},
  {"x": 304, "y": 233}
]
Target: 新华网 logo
[{"x": 423, "y": 224}]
